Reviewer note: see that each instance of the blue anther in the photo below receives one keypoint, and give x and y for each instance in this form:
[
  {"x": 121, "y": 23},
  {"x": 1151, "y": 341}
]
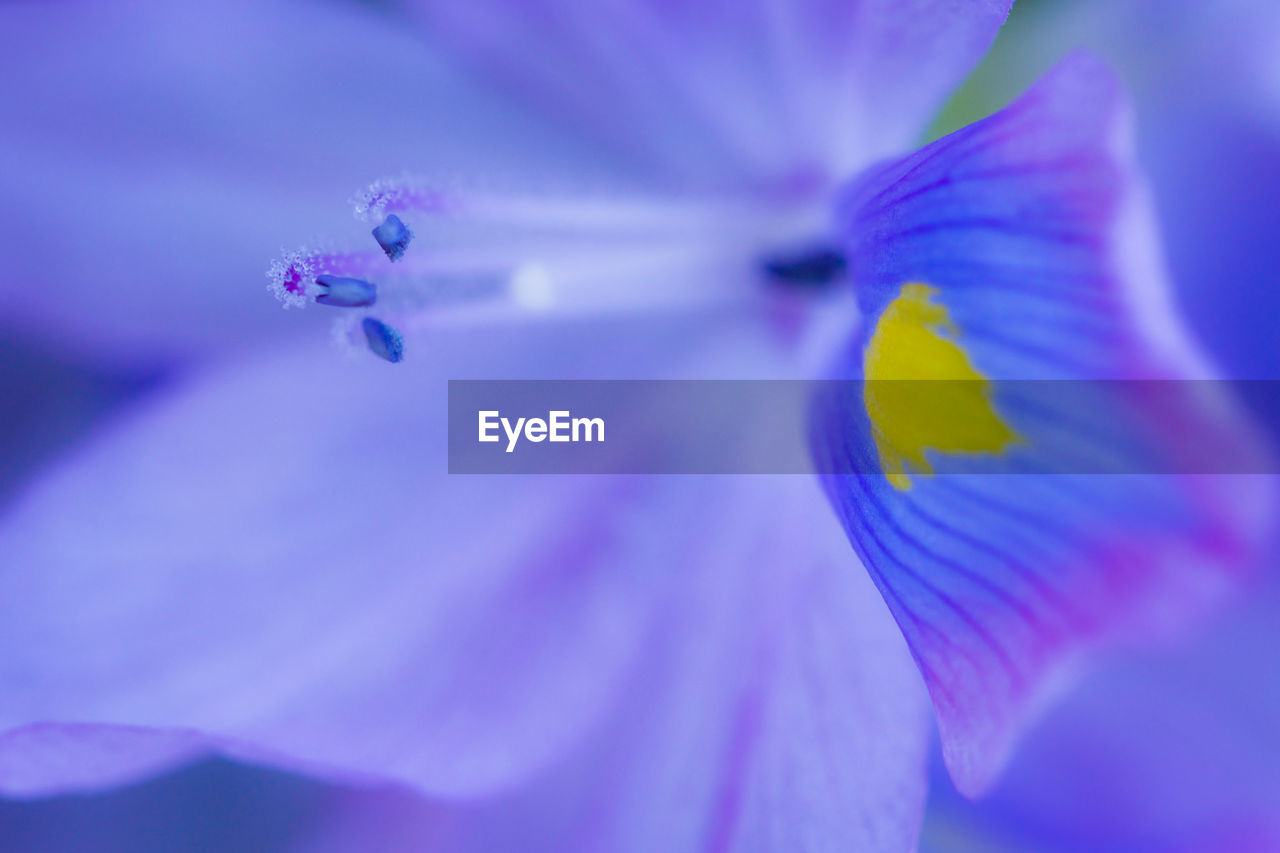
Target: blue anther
[
  {"x": 346, "y": 292},
  {"x": 393, "y": 236},
  {"x": 384, "y": 341}
]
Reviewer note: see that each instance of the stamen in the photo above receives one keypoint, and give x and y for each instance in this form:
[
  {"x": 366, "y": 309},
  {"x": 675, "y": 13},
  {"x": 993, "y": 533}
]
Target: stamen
[
  {"x": 564, "y": 215},
  {"x": 491, "y": 256},
  {"x": 345, "y": 292},
  {"x": 384, "y": 341},
  {"x": 403, "y": 194},
  {"x": 293, "y": 278},
  {"x": 393, "y": 236}
]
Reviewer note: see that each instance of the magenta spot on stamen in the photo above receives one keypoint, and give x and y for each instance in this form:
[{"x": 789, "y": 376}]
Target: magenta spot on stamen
[
  {"x": 291, "y": 276},
  {"x": 293, "y": 281}
]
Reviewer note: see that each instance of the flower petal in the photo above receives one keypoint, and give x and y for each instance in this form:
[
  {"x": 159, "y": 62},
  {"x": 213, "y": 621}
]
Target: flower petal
[
  {"x": 1017, "y": 249},
  {"x": 49, "y": 403},
  {"x": 720, "y": 91},
  {"x": 89, "y": 756},
  {"x": 274, "y": 558},
  {"x": 778, "y": 710},
  {"x": 1170, "y": 750},
  {"x": 213, "y": 805},
  {"x": 147, "y": 175},
  {"x": 1208, "y": 136}
]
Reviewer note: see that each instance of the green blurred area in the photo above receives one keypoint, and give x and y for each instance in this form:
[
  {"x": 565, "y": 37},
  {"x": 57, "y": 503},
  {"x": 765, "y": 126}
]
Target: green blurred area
[{"x": 1005, "y": 72}]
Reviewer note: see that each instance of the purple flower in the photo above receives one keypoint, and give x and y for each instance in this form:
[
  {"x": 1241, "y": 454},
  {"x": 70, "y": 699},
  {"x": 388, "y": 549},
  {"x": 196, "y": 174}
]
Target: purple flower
[
  {"x": 269, "y": 562},
  {"x": 1166, "y": 750}
]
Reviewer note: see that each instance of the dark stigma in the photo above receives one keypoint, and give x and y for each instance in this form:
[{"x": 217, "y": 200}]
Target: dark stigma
[{"x": 812, "y": 269}]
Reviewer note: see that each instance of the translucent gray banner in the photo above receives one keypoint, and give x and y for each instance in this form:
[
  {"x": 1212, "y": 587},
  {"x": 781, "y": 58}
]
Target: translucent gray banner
[{"x": 848, "y": 427}]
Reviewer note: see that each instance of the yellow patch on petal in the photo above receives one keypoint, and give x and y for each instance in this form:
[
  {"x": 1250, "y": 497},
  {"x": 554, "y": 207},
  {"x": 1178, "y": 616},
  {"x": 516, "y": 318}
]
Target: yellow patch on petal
[{"x": 953, "y": 413}]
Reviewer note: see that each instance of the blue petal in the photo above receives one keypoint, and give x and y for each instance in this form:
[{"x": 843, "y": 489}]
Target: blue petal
[
  {"x": 1023, "y": 242},
  {"x": 1168, "y": 750},
  {"x": 363, "y": 615},
  {"x": 205, "y": 608},
  {"x": 727, "y": 92},
  {"x": 777, "y": 711}
]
